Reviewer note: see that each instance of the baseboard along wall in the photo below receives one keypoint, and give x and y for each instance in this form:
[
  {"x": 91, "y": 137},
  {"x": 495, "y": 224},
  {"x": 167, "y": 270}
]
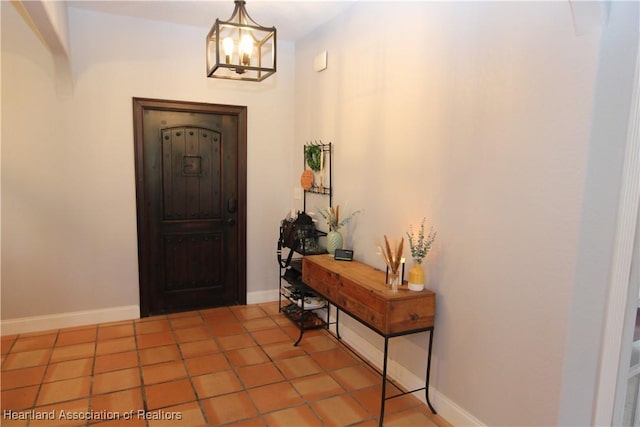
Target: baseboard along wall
[
  {"x": 45, "y": 322},
  {"x": 23, "y": 325}
]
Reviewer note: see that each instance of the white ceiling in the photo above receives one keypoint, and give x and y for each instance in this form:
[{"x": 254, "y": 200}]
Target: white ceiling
[{"x": 293, "y": 19}]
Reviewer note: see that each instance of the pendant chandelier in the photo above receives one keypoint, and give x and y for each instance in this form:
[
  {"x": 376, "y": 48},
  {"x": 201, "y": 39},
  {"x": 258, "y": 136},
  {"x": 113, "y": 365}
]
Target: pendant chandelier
[{"x": 240, "y": 48}]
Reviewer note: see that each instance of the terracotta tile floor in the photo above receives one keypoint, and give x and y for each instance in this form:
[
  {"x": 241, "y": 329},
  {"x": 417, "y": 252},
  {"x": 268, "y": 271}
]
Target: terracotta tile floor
[{"x": 224, "y": 366}]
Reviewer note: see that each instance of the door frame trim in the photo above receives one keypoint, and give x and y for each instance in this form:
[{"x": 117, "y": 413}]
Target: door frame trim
[
  {"x": 139, "y": 107},
  {"x": 615, "y": 350}
]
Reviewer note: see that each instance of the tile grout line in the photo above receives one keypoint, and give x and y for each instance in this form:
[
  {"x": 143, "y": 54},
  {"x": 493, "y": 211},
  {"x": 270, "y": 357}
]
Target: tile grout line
[
  {"x": 46, "y": 369},
  {"x": 186, "y": 368},
  {"x": 233, "y": 368},
  {"x": 92, "y": 376},
  {"x": 143, "y": 388}
]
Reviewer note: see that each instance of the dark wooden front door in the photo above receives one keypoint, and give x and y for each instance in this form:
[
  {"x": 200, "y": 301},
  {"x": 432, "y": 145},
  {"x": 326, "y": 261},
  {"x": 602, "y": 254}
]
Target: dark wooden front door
[{"x": 191, "y": 199}]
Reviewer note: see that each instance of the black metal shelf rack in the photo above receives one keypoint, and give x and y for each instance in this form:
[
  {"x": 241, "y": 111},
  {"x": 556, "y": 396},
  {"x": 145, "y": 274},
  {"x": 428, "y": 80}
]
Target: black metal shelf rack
[
  {"x": 325, "y": 188},
  {"x": 293, "y": 292}
]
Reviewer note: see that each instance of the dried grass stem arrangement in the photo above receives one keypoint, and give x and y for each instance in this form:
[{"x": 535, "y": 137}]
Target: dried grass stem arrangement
[
  {"x": 393, "y": 257},
  {"x": 332, "y": 216}
]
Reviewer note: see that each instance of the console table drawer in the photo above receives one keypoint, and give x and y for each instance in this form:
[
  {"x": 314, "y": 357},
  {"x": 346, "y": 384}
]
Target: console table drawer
[{"x": 360, "y": 290}]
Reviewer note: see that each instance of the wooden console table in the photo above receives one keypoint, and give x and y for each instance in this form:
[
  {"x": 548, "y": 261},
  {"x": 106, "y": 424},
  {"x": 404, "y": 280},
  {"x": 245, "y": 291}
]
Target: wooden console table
[{"x": 360, "y": 291}]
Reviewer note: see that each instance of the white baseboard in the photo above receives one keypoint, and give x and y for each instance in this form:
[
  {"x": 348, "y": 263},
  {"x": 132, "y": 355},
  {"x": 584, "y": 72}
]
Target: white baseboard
[
  {"x": 45, "y": 322},
  {"x": 65, "y": 320},
  {"x": 445, "y": 407},
  {"x": 259, "y": 297},
  {"x": 88, "y": 317}
]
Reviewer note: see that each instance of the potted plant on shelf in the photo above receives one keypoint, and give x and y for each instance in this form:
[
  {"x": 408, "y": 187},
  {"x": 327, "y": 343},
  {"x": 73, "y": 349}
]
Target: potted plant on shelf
[
  {"x": 334, "y": 237},
  {"x": 419, "y": 249}
]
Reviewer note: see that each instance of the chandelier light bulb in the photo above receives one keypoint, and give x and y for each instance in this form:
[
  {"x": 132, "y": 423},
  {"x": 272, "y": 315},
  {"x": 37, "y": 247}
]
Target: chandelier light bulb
[
  {"x": 246, "y": 48},
  {"x": 227, "y": 45}
]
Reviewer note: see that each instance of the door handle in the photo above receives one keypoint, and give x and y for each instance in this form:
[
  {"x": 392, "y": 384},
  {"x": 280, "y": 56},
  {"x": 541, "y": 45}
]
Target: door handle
[
  {"x": 230, "y": 222},
  {"x": 232, "y": 205}
]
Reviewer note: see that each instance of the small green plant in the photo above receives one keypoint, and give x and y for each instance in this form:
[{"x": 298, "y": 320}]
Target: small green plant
[
  {"x": 420, "y": 247},
  {"x": 332, "y": 216}
]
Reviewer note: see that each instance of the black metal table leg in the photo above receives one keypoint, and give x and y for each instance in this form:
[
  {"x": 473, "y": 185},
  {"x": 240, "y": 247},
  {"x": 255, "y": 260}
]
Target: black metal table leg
[
  {"x": 299, "y": 337},
  {"x": 384, "y": 381},
  {"x": 328, "y": 324},
  {"x": 301, "y": 322},
  {"x": 426, "y": 391}
]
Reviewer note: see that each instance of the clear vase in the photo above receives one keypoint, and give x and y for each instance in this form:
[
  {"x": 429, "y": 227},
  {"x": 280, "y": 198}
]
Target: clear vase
[
  {"x": 393, "y": 280},
  {"x": 334, "y": 241}
]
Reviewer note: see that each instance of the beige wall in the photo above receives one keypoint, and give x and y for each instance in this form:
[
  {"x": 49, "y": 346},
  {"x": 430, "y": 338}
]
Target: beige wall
[
  {"x": 478, "y": 116},
  {"x": 68, "y": 195}
]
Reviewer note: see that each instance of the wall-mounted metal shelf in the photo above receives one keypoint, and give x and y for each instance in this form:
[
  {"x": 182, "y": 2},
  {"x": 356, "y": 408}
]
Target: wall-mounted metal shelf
[{"x": 322, "y": 179}]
